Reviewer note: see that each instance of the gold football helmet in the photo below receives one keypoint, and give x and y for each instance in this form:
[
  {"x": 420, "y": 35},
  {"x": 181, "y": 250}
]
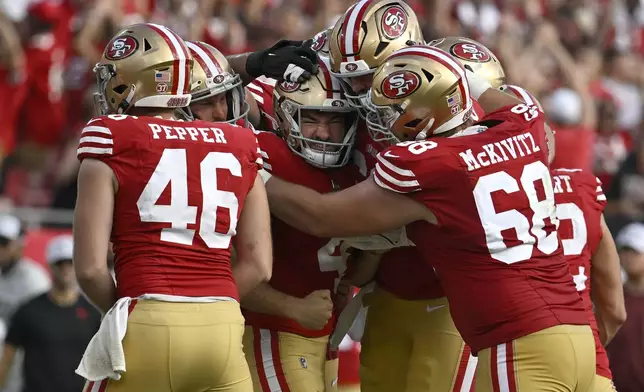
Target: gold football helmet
[
  {"x": 212, "y": 75},
  {"x": 418, "y": 92},
  {"x": 474, "y": 55},
  {"x": 365, "y": 35},
  {"x": 320, "y": 93},
  {"x": 143, "y": 65}
]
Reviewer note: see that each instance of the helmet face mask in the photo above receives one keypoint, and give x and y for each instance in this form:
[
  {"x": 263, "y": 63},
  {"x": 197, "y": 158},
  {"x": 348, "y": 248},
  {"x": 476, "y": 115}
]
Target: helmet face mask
[
  {"x": 365, "y": 36},
  {"x": 317, "y": 102},
  {"x": 144, "y": 65}
]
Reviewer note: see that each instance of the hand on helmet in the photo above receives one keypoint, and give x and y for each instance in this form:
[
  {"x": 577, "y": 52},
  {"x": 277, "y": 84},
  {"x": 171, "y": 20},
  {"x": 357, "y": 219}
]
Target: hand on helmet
[
  {"x": 478, "y": 84},
  {"x": 292, "y": 61}
]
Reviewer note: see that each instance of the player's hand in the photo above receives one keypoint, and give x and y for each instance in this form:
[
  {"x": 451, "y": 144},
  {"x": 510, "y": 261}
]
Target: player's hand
[
  {"x": 292, "y": 61},
  {"x": 314, "y": 310}
]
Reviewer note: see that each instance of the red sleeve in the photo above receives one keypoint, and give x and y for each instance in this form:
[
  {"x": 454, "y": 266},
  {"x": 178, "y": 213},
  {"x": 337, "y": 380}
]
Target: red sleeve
[
  {"x": 403, "y": 168},
  {"x": 592, "y": 188},
  {"x": 521, "y": 115},
  {"x": 275, "y": 154},
  {"x": 262, "y": 90},
  {"x": 98, "y": 140}
]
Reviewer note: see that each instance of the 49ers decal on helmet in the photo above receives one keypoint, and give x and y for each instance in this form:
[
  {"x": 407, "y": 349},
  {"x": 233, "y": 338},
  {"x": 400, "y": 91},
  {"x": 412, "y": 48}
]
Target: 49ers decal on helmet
[
  {"x": 121, "y": 48},
  {"x": 319, "y": 40},
  {"x": 470, "y": 51},
  {"x": 289, "y": 87},
  {"x": 394, "y": 22},
  {"x": 400, "y": 84}
]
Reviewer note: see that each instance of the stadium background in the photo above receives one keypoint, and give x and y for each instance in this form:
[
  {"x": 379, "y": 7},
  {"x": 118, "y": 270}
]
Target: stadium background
[{"x": 581, "y": 58}]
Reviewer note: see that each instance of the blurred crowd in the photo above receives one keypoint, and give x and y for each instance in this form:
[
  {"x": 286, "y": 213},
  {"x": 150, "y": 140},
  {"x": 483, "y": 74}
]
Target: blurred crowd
[{"x": 581, "y": 58}]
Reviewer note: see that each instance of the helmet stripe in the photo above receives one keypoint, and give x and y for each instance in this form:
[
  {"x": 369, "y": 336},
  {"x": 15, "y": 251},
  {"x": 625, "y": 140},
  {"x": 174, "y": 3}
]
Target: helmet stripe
[
  {"x": 180, "y": 54},
  {"x": 352, "y": 27},
  {"x": 443, "y": 58},
  {"x": 205, "y": 58},
  {"x": 327, "y": 78}
]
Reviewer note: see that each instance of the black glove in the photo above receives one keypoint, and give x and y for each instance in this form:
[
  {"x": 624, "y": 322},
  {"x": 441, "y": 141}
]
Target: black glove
[{"x": 292, "y": 61}]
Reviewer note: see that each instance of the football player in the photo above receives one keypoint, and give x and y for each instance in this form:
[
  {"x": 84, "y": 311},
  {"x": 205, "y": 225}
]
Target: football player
[
  {"x": 289, "y": 319},
  {"x": 590, "y": 251},
  {"x": 409, "y": 340},
  {"x": 479, "y": 204},
  {"x": 216, "y": 89},
  {"x": 170, "y": 196}
]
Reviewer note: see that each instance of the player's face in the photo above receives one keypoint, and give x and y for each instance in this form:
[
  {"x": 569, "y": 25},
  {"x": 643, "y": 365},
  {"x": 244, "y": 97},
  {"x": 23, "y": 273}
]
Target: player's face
[
  {"x": 211, "y": 109},
  {"x": 322, "y": 126},
  {"x": 63, "y": 274},
  {"x": 360, "y": 84}
]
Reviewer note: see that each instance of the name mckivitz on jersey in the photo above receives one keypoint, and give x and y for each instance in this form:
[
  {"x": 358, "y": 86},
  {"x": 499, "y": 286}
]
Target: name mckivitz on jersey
[{"x": 511, "y": 148}]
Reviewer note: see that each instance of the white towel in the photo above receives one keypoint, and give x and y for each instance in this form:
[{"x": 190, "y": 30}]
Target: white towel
[
  {"x": 104, "y": 357},
  {"x": 347, "y": 319}
]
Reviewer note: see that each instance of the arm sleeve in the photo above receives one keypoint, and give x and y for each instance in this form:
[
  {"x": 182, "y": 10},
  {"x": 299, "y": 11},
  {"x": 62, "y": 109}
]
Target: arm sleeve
[{"x": 394, "y": 170}]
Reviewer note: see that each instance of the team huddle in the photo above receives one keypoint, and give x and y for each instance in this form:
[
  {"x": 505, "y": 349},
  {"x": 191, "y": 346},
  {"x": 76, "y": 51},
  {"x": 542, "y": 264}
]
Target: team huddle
[{"x": 246, "y": 200}]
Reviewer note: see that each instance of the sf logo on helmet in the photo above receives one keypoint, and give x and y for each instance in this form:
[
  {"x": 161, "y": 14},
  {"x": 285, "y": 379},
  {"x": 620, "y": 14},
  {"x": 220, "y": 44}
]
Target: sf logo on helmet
[
  {"x": 394, "y": 22},
  {"x": 121, "y": 47},
  {"x": 470, "y": 52},
  {"x": 400, "y": 84},
  {"x": 289, "y": 87},
  {"x": 319, "y": 40}
]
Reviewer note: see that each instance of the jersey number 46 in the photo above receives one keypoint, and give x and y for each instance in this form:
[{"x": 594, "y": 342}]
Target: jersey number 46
[{"x": 172, "y": 170}]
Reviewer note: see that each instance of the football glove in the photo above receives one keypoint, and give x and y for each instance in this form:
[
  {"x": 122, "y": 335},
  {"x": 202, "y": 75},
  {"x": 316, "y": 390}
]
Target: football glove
[{"x": 292, "y": 61}]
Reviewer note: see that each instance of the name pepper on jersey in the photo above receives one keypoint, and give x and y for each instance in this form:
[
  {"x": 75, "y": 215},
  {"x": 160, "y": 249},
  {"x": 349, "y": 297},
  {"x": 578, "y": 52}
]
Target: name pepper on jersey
[
  {"x": 181, "y": 190},
  {"x": 492, "y": 195}
]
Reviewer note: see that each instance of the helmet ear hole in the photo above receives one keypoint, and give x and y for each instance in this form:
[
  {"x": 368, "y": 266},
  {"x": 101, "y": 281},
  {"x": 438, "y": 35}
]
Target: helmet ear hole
[
  {"x": 413, "y": 123},
  {"x": 146, "y": 45},
  {"x": 428, "y": 76},
  {"x": 120, "y": 89}
]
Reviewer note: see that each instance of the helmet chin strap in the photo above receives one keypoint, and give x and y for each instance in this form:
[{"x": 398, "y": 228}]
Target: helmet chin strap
[
  {"x": 125, "y": 104},
  {"x": 422, "y": 135}
]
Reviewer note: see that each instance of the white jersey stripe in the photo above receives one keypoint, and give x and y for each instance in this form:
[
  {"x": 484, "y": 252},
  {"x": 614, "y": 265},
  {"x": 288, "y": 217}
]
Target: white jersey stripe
[
  {"x": 254, "y": 87},
  {"x": 268, "y": 360},
  {"x": 385, "y": 186},
  {"x": 395, "y": 169},
  {"x": 93, "y": 128},
  {"x": 94, "y": 150},
  {"x": 258, "y": 98},
  {"x": 181, "y": 56},
  {"x": 94, "y": 139},
  {"x": 412, "y": 184}
]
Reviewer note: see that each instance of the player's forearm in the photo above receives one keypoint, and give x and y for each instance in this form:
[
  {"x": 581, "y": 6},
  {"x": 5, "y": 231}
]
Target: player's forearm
[
  {"x": 238, "y": 64},
  {"x": 248, "y": 277},
  {"x": 606, "y": 286},
  {"x": 302, "y": 208},
  {"x": 265, "y": 299},
  {"x": 99, "y": 288},
  {"x": 6, "y": 362}
]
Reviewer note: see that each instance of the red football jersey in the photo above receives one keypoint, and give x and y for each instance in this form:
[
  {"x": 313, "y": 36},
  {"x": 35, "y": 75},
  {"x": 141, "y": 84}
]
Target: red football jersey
[
  {"x": 262, "y": 90},
  {"x": 495, "y": 246},
  {"x": 182, "y": 187},
  {"x": 399, "y": 272},
  {"x": 580, "y": 202},
  {"x": 302, "y": 263}
]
